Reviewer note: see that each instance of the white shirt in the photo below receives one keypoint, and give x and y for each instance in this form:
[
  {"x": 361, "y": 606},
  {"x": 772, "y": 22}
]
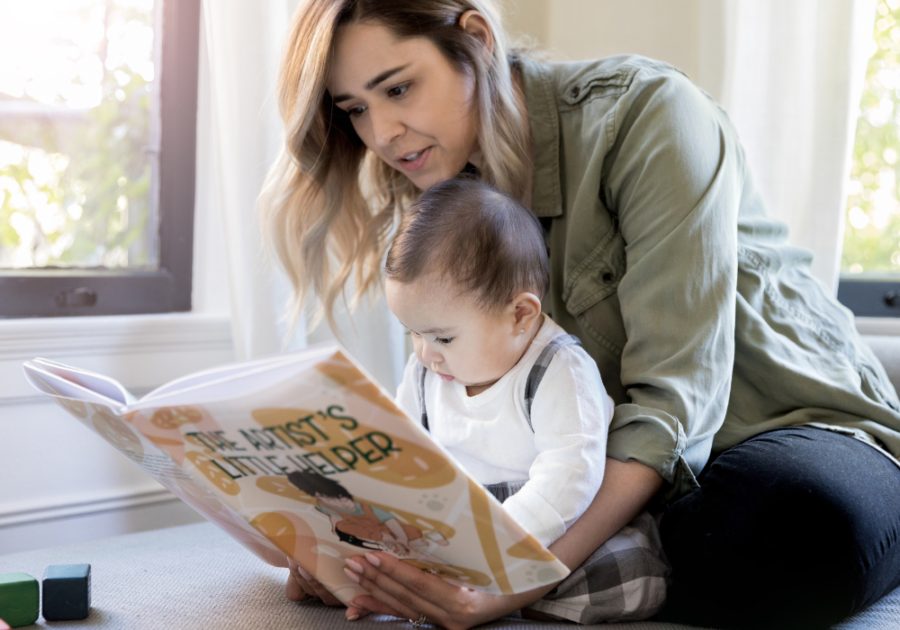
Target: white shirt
[{"x": 561, "y": 461}]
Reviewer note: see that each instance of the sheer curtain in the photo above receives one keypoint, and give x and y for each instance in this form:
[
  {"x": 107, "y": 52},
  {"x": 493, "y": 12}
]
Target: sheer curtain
[
  {"x": 242, "y": 44},
  {"x": 793, "y": 72}
]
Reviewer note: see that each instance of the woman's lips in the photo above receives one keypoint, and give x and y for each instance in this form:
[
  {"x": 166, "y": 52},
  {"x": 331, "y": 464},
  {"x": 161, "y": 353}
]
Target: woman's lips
[{"x": 418, "y": 163}]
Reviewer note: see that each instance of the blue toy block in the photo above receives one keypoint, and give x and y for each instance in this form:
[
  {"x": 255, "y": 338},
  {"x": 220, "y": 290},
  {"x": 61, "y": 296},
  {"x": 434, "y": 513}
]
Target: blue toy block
[
  {"x": 18, "y": 599},
  {"x": 67, "y": 592}
]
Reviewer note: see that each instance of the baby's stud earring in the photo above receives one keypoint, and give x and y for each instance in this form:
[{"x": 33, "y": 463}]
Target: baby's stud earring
[{"x": 521, "y": 331}]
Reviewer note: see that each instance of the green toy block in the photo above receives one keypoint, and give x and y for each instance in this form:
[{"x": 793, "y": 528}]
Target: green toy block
[{"x": 19, "y": 595}]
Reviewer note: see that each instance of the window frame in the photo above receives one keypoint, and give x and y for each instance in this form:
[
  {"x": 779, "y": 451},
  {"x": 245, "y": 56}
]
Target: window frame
[
  {"x": 870, "y": 295},
  {"x": 53, "y": 292}
]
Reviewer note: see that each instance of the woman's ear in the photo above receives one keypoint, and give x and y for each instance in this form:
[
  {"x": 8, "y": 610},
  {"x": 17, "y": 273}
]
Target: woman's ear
[
  {"x": 475, "y": 24},
  {"x": 526, "y": 310}
]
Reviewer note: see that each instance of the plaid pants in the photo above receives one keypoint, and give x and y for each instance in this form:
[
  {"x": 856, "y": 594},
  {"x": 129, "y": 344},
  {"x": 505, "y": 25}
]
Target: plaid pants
[{"x": 624, "y": 579}]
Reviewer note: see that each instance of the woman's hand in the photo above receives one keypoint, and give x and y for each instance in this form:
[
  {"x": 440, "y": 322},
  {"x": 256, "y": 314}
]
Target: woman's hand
[
  {"x": 402, "y": 590},
  {"x": 301, "y": 586}
]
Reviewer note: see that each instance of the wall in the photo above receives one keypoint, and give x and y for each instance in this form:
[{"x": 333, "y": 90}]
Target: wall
[
  {"x": 60, "y": 483},
  {"x": 685, "y": 33}
]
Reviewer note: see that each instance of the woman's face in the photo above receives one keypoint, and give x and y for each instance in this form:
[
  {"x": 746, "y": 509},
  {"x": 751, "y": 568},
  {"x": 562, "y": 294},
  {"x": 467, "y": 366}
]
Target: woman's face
[{"x": 408, "y": 104}]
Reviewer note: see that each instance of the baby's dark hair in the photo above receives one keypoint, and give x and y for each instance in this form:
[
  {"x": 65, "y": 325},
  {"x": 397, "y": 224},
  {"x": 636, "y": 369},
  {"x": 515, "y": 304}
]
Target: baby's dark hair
[
  {"x": 486, "y": 242},
  {"x": 313, "y": 484}
]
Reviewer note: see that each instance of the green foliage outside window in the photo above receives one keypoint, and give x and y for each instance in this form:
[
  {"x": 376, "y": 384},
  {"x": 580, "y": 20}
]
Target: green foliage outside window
[
  {"x": 872, "y": 236},
  {"x": 75, "y": 182}
]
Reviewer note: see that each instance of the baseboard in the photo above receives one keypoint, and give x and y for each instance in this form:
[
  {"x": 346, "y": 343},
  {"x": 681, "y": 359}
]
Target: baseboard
[
  {"x": 102, "y": 522},
  {"x": 54, "y": 510}
]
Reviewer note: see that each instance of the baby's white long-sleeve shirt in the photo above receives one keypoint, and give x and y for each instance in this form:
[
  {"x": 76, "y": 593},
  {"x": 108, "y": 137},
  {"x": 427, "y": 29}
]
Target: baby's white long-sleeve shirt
[{"x": 561, "y": 461}]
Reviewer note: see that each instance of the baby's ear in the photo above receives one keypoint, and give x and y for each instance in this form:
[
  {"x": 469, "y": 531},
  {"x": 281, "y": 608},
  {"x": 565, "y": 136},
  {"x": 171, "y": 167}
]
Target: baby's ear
[{"x": 526, "y": 309}]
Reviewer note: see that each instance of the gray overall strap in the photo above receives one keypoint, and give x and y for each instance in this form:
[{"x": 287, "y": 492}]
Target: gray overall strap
[
  {"x": 540, "y": 368},
  {"x": 505, "y": 489},
  {"x": 421, "y": 371}
]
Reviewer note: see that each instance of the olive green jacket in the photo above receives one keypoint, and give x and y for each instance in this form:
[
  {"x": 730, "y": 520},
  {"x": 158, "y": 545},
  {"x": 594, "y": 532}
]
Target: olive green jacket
[{"x": 706, "y": 325}]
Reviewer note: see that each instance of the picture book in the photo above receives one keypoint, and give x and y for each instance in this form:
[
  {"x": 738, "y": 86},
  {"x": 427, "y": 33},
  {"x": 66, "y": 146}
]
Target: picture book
[{"x": 304, "y": 455}]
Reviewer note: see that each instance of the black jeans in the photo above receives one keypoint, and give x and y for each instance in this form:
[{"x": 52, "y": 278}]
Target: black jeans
[{"x": 793, "y": 528}]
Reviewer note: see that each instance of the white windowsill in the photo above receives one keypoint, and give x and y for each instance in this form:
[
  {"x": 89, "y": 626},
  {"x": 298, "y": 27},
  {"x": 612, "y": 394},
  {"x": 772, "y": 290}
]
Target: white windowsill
[
  {"x": 141, "y": 351},
  {"x": 112, "y": 334},
  {"x": 879, "y": 326}
]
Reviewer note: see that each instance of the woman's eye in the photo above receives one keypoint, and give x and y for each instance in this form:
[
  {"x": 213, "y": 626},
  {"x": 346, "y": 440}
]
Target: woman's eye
[
  {"x": 356, "y": 111},
  {"x": 398, "y": 90},
  {"x": 443, "y": 340}
]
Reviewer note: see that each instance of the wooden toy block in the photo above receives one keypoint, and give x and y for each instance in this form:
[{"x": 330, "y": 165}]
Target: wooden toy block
[
  {"x": 67, "y": 592},
  {"x": 18, "y": 599}
]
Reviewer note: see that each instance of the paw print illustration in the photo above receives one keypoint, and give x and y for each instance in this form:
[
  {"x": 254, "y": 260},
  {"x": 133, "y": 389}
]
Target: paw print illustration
[{"x": 433, "y": 502}]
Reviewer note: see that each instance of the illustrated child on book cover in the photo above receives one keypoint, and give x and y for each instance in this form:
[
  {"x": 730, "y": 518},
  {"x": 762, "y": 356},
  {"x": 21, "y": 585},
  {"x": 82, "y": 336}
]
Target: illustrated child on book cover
[{"x": 362, "y": 524}]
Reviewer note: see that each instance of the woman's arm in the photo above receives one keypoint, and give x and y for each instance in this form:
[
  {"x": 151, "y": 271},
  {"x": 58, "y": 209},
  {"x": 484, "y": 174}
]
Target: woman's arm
[{"x": 401, "y": 590}]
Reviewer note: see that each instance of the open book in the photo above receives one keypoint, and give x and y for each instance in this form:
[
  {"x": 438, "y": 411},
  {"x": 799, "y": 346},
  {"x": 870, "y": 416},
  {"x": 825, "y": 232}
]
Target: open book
[{"x": 304, "y": 455}]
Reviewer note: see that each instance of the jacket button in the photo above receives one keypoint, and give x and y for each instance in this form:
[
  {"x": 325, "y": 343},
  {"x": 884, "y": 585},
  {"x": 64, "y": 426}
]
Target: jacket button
[
  {"x": 575, "y": 91},
  {"x": 607, "y": 277}
]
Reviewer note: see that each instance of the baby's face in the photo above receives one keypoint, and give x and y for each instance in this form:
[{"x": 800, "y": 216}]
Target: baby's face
[{"x": 451, "y": 335}]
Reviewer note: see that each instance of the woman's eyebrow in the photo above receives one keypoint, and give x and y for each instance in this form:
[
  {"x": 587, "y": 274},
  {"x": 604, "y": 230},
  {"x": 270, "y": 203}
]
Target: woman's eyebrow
[{"x": 371, "y": 85}]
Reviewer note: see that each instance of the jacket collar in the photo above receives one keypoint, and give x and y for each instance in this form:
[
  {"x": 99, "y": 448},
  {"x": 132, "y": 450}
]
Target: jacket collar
[{"x": 543, "y": 113}]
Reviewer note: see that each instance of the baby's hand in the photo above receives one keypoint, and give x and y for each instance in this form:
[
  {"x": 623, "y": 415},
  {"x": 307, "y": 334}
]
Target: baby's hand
[{"x": 302, "y": 586}]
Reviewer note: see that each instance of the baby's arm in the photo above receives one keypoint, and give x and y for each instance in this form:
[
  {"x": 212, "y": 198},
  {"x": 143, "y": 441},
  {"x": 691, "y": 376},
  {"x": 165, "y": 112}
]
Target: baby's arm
[{"x": 570, "y": 414}]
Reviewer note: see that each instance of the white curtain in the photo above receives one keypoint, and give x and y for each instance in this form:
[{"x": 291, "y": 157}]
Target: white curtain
[
  {"x": 240, "y": 52},
  {"x": 792, "y": 76}
]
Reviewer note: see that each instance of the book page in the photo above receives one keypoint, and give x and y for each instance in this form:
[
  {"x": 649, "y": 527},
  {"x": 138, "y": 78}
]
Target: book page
[
  {"x": 102, "y": 385},
  {"x": 235, "y": 378},
  {"x": 53, "y": 384}
]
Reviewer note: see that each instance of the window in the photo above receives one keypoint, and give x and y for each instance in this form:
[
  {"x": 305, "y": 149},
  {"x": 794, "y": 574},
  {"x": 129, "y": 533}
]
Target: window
[
  {"x": 870, "y": 263},
  {"x": 98, "y": 106}
]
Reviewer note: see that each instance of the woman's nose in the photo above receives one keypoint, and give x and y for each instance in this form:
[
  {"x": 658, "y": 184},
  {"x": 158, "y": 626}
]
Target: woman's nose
[{"x": 385, "y": 127}]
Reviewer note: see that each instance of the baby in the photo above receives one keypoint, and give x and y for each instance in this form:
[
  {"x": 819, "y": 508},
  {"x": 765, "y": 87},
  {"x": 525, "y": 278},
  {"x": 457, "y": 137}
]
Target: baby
[{"x": 513, "y": 397}]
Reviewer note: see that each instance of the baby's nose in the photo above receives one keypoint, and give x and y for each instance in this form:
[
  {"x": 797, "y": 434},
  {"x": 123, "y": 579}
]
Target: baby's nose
[{"x": 430, "y": 355}]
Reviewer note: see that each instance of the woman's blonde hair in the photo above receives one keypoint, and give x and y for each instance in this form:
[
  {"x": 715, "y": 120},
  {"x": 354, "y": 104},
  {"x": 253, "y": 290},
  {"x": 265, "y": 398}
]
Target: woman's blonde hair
[{"x": 321, "y": 225}]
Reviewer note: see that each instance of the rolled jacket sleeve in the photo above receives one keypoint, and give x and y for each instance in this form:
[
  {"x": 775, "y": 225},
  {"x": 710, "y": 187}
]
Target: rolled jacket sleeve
[{"x": 673, "y": 180}]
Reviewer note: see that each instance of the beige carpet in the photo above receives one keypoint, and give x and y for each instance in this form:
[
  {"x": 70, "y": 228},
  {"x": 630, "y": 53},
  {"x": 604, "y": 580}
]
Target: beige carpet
[{"x": 196, "y": 577}]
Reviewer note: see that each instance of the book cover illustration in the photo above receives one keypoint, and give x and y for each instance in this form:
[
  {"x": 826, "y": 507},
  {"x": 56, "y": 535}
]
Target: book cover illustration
[{"x": 303, "y": 455}]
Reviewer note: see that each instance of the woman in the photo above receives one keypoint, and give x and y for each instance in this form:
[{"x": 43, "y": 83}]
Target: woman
[{"x": 747, "y": 410}]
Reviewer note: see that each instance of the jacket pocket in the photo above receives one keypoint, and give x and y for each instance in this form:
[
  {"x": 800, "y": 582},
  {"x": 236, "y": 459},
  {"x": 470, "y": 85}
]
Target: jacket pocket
[
  {"x": 597, "y": 276},
  {"x": 591, "y": 298}
]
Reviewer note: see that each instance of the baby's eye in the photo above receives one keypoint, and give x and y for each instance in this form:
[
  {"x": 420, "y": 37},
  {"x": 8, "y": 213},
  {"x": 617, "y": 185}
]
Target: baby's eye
[
  {"x": 443, "y": 340},
  {"x": 398, "y": 90}
]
